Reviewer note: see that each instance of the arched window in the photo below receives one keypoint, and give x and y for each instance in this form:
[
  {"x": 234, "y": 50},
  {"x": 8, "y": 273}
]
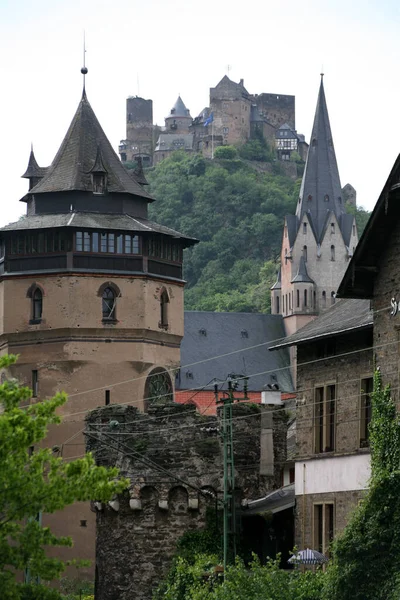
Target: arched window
[
  {"x": 305, "y": 253},
  {"x": 37, "y": 305},
  {"x": 158, "y": 389},
  {"x": 277, "y": 305},
  {"x": 298, "y": 298},
  {"x": 304, "y": 228},
  {"x": 332, "y": 252},
  {"x": 305, "y": 298},
  {"x": 109, "y": 301},
  {"x": 333, "y": 298},
  {"x": 164, "y": 301},
  {"x": 323, "y": 299},
  {"x": 35, "y": 293}
]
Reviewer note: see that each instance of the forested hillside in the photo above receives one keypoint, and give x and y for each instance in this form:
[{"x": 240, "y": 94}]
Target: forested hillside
[{"x": 237, "y": 213}]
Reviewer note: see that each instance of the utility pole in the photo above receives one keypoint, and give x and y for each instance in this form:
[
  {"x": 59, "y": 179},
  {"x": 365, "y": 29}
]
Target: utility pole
[{"x": 227, "y": 400}]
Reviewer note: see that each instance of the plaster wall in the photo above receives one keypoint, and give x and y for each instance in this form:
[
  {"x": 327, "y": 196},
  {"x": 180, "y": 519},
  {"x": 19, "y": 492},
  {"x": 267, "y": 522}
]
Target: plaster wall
[{"x": 334, "y": 474}]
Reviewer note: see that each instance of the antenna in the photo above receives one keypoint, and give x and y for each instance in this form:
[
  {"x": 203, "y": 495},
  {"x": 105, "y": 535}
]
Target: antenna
[{"x": 84, "y": 68}]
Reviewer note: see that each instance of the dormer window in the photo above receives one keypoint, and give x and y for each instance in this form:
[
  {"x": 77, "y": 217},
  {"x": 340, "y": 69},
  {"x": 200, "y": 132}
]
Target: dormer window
[
  {"x": 99, "y": 183},
  {"x": 304, "y": 228},
  {"x": 332, "y": 227},
  {"x": 326, "y": 198},
  {"x": 309, "y": 197}
]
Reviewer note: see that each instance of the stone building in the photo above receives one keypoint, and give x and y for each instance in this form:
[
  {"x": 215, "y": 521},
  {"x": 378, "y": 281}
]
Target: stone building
[
  {"x": 334, "y": 382},
  {"x": 139, "y": 140},
  {"x": 176, "y": 134},
  {"x": 173, "y": 458},
  {"x": 337, "y": 354},
  {"x": 237, "y": 116},
  {"x": 91, "y": 294},
  {"x": 319, "y": 240}
]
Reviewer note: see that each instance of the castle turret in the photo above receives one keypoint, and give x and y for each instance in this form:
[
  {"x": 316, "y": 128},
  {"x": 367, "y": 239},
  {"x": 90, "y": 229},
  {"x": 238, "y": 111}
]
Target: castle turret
[
  {"x": 319, "y": 239},
  {"x": 179, "y": 119},
  {"x": 91, "y": 294},
  {"x": 33, "y": 172}
]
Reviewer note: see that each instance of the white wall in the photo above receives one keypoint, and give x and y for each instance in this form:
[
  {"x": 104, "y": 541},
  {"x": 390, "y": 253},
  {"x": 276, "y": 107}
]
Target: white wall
[{"x": 336, "y": 474}]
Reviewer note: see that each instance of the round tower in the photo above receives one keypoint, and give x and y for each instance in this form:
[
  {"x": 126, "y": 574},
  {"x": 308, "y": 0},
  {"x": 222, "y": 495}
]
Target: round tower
[{"x": 91, "y": 294}]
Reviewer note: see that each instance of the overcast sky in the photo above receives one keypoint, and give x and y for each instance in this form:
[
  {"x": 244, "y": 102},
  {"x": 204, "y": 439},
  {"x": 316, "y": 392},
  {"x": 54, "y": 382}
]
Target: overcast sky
[{"x": 160, "y": 48}]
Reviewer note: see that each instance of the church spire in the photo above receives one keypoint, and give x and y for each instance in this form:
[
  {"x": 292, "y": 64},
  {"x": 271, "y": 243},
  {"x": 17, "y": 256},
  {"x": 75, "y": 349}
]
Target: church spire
[{"x": 320, "y": 192}]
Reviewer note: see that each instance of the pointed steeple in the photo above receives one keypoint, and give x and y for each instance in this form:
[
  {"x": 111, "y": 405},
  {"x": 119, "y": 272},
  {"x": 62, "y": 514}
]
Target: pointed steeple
[
  {"x": 33, "y": 172},
  {"x": 33, "y": 169},
  {"x": 79, "y": 154},
  {"x": 302, "y": 275},
  {"x": 278, "y": 283},
  {"x": 320, "y": 192}
]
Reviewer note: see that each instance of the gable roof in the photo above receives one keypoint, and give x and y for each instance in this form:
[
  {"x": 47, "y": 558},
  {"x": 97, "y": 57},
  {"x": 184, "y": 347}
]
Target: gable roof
[
  {"x": 216, "y": 344},
  {"x": 358, "y": 280},
  {"x": 343, "y": 316},
  {"x": 320, "y": 190},
  {"x": 77, "y": 156}
]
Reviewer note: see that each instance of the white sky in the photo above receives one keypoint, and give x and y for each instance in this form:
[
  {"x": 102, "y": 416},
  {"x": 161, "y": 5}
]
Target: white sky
[{"x": 183, "y": 46}]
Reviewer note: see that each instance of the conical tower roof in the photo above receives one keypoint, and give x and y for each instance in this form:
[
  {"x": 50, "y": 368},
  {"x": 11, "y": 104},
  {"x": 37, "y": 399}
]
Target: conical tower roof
[
  {"x": 179, "y": 109},
  {"x": 302, "y": 275},
  {"x": 320, "y": 191},
  {"x": 33, "y": 169},
  {"x": 84, "y": 145}
]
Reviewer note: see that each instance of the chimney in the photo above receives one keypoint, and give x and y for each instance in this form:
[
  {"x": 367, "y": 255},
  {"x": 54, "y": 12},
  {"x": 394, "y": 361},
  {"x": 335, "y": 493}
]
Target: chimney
[{"x": 241, "y": 82}]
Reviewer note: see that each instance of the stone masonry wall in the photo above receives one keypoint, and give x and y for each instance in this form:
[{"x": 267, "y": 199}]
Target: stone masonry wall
[{"x": 137, "y": 537}]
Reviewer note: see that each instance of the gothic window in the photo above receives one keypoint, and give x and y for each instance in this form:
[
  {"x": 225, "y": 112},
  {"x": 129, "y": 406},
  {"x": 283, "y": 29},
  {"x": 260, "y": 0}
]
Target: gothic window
[
  {"x": 304, "y": 228},
  {"x": 164, "y": 301},
  {"x": 332, "y": 252},
  {"x": 37, "y": 305},
  {"x": 158, "y": 388},
  {"x": 305, "y": 253},
  {"x": 323, "y": 299},
  {"x": 298, "y": 298},
  {"x": 326, "y": 198},
  {"x": 109, "y": 304},
  {"x": 305, "y": 298},
  {"x": 277, "y": 305},
  {"x": 332, "y": 227},
  {"x": 333, "y": 298}
]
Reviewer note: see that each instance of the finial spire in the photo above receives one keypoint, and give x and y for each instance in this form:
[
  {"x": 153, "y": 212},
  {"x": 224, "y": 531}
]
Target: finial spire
[{"x": 84, "y": 68}]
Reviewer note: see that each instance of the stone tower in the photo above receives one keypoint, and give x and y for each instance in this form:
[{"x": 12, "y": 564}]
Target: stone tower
[
  {"x": 179, "y": 119},
  {"x": 319, "y": 239},
  {"x": 91, "y": 294},
  {"x": 139, "y": 131}
]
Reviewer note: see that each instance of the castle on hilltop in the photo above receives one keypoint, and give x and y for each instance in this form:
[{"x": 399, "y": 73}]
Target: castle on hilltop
[{"x": 233, "y": 117}]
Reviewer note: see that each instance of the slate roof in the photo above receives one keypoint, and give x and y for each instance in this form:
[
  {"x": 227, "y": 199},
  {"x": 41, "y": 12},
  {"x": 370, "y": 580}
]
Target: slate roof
[
  {"x": 174, "y": 141},
  {"x": 302, "y": 275},
  {"x": 179, "y": 109},
  {"x": 33, "y": 169},
  {"x": 343, "y": 316},
  {"x": 86, "y": 220},
  {"x": 358, "y": 280},
  {"x": 72, "y": 166},
  {"x": 241, "y": 341},
  {"x": 321, "y": 181},
  {"x": 278, "y": 283}
]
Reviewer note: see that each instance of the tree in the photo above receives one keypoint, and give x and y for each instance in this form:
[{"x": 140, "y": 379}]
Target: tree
[
  {"x": 366, "y": 556},
  {"x": 33, "y": 480},
  {"x": 362, "y": 216},
  {"x": 227, "y": 152}
]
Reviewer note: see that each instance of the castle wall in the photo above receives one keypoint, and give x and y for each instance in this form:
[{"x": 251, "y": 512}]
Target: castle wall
[
  {"x": 277, "y": 109},
  {"x": 136, "y": 543}
]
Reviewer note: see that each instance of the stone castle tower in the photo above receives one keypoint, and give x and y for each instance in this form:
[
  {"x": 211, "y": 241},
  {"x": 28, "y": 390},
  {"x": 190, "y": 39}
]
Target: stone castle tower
[
  {"x": 91, "y": 294},
  {"x": 139, "y": 141},
  {"x": 319, "y": 239}
]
